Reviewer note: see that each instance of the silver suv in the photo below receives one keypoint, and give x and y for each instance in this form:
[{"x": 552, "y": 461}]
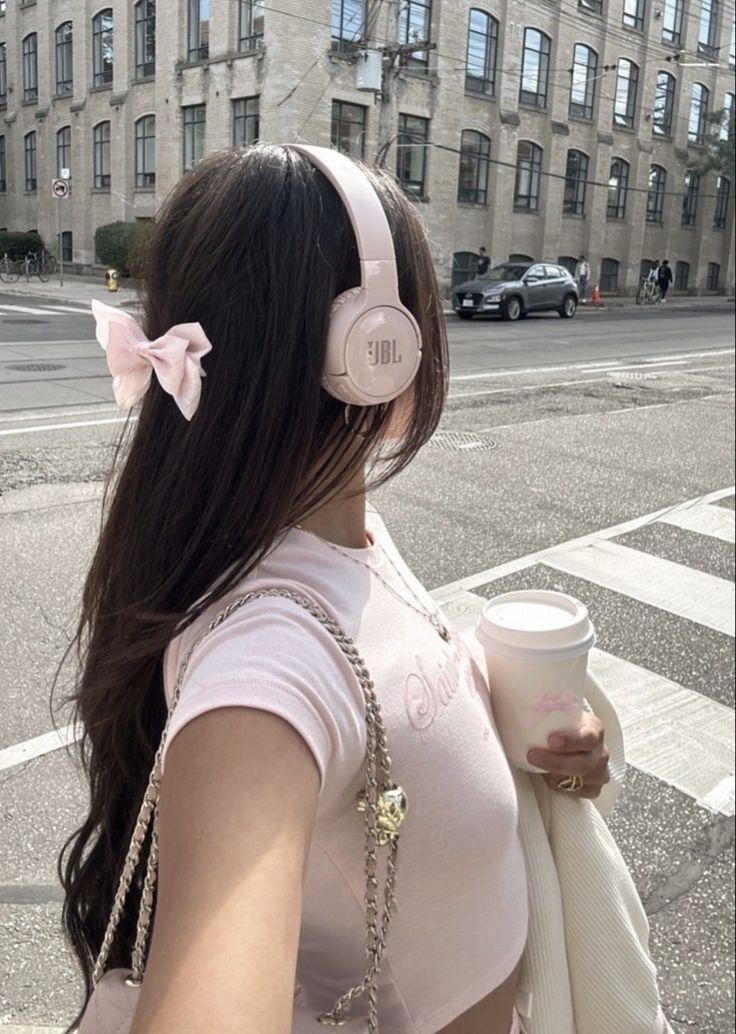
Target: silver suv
[{"x": 513, "y": 289}]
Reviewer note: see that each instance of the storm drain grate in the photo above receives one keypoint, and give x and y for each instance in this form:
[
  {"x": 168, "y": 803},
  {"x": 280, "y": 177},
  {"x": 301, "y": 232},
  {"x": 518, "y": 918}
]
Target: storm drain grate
[
  {"x": 34, "y": 367},
  {"x": 460, "y": 441}
]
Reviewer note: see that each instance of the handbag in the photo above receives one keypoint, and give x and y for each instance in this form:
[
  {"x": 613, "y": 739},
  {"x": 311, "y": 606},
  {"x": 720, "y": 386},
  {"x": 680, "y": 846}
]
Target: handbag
[{"x": 112, "y": 1004}]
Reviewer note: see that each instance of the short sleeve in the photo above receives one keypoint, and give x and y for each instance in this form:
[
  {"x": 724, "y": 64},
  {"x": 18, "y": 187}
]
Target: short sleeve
[{"x": 274, "y": 656}]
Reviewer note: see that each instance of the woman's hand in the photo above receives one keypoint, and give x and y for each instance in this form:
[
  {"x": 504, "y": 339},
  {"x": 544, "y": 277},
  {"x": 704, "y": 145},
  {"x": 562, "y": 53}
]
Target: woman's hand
[{"x": 580, "y": 751}]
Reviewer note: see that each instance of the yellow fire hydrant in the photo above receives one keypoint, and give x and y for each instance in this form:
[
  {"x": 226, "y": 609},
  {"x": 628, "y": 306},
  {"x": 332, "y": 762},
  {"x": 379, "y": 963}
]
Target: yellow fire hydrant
[{"x": 111, "y": 279}]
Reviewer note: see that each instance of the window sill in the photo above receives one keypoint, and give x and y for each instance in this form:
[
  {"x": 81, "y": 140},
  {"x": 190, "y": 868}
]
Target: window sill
[
  {"x": 100, "y": 89},
  {"x": 480, "y": 96},
  {"x": 145, "y": 190},
  {"x": 624, "y": 129},
  {"x": 580, "y": 216},
  {"x": 30, "y": 103},
  {"x": 521, "y": 210},
  {"x": 633, "y": 28},
  {"x": 528, "y": 106},
  {"x": 472, "y": 204},
  {"x": 99, "y": 190},
  {"x": 688, "y": 226},
  {"x": 30, "y": 193},
  {"x": 62, "y": 96},
  {"x": 654, "y": 222},
  {"x": 588, "y": 119},
  {"x": 620, "y": 219},
  {"x": 144, "y": 79}
]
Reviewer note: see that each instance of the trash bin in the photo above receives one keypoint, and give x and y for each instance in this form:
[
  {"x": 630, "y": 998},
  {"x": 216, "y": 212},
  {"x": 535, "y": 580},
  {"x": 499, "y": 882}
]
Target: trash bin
[{"x": 111, "y": 279}]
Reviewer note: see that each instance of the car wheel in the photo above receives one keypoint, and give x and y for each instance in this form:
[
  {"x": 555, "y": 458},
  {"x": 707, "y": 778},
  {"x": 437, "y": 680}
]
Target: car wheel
[
  {"x": 466, "y": 315},
  {"x": 569, "y": 307},
  {"x": 513, "y": 310}
]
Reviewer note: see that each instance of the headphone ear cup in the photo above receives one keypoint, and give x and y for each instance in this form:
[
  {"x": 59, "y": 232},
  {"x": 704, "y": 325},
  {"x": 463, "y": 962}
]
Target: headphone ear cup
[{"x": 352, "y": 292}]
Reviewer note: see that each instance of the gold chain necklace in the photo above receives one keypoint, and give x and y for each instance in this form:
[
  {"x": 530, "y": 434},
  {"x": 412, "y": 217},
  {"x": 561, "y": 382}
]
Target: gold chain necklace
[{"x": 436, "y": 623}]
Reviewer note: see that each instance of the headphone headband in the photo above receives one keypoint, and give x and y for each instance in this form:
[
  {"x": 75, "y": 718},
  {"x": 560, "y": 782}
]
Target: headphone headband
[{"x": 367, "y": 217}]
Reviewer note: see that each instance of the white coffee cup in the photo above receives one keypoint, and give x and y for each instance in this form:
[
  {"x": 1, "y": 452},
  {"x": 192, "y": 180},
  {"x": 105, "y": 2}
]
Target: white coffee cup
[{"x": 536, "y": 644}]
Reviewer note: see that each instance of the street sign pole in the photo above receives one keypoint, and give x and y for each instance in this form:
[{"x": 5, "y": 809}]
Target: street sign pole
[{"x": 60, "y": 244}]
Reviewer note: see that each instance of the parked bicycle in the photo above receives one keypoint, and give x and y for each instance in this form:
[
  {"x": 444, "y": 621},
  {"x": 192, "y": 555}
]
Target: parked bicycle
[
  {"x": 10, "y": 269},
  {"x": 649, "y": 292},
  {"x": 39, "y": 264}
]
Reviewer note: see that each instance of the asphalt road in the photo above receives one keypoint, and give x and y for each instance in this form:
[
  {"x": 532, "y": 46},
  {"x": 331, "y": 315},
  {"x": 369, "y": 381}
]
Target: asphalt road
[{"x": 562, "y": 446}]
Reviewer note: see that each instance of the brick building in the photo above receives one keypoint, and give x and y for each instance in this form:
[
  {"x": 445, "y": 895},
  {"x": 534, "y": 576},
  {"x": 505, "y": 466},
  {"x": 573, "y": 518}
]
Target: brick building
[{"x": 543, "y": 128}]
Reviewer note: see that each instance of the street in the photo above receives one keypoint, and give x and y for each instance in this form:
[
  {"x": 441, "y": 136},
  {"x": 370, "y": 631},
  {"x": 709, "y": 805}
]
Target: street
[{"x": 593, "y": 456}]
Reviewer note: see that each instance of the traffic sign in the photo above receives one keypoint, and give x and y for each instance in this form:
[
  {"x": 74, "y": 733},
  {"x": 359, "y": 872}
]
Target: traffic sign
[{"x": 60, "y": 188}]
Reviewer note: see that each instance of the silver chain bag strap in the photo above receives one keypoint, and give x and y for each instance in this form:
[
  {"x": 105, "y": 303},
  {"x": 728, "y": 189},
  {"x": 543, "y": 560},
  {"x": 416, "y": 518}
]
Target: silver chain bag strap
[{"x": 382, "y": 803}]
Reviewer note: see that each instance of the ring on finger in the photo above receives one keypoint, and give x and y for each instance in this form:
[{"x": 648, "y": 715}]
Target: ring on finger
[{"x": 571, "y": 784}]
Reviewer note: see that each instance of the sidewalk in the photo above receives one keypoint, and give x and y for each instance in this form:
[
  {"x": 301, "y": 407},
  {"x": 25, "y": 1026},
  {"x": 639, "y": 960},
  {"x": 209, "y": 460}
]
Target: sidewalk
[
  {"x": 77, "y": 290},
  {"x": 80, "y": 290}
]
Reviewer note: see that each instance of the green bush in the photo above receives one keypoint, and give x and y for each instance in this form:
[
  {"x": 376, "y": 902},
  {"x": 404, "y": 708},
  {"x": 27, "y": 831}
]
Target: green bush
[
  {"x": 122, "y": 246},
  {"x": 17, "y": 245}
]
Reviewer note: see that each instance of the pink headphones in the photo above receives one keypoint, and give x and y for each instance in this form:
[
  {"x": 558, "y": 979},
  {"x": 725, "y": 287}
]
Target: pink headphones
[{"x": 374, "y": 345}]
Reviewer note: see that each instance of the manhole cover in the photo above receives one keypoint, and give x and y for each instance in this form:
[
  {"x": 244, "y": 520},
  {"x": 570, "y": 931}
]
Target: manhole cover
[
  {"x": 34, "y": 367},
  {"x": 460, "y": 441}
]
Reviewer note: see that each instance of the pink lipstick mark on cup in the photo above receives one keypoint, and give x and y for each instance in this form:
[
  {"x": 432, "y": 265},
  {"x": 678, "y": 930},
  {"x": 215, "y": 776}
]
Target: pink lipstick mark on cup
[{"x": 548, "y": 702}]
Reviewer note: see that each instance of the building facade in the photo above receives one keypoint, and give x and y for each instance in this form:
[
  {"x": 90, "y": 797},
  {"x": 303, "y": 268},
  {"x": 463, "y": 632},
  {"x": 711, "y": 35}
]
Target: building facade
[{"x": 539, "y": 128}]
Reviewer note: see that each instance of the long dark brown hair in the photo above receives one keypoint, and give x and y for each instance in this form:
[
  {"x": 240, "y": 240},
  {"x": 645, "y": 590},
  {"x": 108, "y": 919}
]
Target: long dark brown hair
[{"x": 254, "y": 244}]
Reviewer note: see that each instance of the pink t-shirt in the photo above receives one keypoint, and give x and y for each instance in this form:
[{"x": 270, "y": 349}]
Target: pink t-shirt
[{"x": 461, "y": 921}]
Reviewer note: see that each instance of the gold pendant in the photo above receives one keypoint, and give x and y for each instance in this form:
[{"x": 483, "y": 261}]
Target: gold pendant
[{"x": 391, "y": 812}]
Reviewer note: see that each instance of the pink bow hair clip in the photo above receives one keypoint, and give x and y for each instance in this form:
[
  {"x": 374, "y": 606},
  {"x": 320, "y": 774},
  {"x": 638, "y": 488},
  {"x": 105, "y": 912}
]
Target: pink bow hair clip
[{"x": 175, "y": 358}]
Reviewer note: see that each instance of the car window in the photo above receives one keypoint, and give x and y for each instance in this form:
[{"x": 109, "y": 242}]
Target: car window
[
  {"x": 537, "y": 271},
  {"x": 507, "y": 271},
  {"x": 552, "y": 272}
]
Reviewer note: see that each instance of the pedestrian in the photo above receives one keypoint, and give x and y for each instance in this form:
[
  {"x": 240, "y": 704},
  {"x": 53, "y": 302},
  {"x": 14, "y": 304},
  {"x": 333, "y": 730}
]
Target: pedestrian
[
  {"x": 664, "y": 278},
  {"x": 483, "y": 262},
  {"x": 237, "y": 542},
  {"x": 653, "y": 275},
  {"x": 582, "y": 276}
]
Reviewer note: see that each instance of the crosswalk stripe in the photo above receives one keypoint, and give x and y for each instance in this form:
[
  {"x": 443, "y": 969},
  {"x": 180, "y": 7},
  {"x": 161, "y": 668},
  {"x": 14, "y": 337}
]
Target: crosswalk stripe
[
  {"x": 38, "y": 746},
  {"x": 695, "y": 595},
  {"x": 715, "y": 521},
  {"x": 672, "y": 733},
  {"x": 24, "y": 309}
]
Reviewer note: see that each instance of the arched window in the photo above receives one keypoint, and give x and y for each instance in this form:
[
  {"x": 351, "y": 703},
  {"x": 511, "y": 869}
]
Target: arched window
[
  {"x": 655, "y": 197},
  {"x": 535, "y": 68},
  {"x": 102, "y": 43},
  {"x": 682, "y": 275},
  {"x": 728, "y": 127},
  {"x": 618, "y": 185},
  {"x": 29, "y": 154},
  {"x": 569, "y": 262},
  {"x": 712, "y": 282},
  {"x": 609, "y": 276},
  {"x": 145, "y": 151},
  {"x": 63, "y": 149},
  {"x": 464, "y": 267},
  {"x": 576, "y": 177},
  {"x": 664, "y": 104},
  {"x": 528, "y": 175},
  {"x": 145, "y": 39},
  {"x": 690, "y": 198},
  {"x": 480, "y": 66},
  {"x": 624, "y": 103},
  {"x": 584, "y": 72},
  {"x": 30, "y": 67},
  {"x": 475, "y": 152},
  {"x": 723, "y": 193},
  {"x": 697, "y": 118},
  {"x": 64, "y": 64},
  {"x": 101, "y": 154}
]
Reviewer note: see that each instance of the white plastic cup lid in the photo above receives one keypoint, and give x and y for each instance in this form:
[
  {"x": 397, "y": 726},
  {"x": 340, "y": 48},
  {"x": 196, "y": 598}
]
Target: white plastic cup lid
[{"x": 536, "y": 622}]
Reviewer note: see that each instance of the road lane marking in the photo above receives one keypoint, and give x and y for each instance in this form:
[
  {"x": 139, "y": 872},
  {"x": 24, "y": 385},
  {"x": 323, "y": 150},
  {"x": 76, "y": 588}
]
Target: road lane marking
[
  {"x": 695, "y": 595},
  {"x": 60, "y": 427},
  {"x": 541, "y": 556},
  {"x": 38, "y": 746},
  {"x": 582, "y": 365},
  {"x": 715, "y": 521},
  {"x": 25, "y": 309},
  {"x": 68, "y": 308}
]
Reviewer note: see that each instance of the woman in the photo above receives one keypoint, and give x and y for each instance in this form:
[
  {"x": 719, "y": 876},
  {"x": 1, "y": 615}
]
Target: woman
[{"x": 263, "y": 485}]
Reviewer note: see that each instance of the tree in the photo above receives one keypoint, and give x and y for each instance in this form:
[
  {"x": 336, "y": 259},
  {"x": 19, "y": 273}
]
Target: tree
[{"x": 719, "y": 144}]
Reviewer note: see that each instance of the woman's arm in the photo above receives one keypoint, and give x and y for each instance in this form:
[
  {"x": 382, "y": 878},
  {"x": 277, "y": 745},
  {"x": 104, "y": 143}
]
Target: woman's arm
[{"x": 238, "y": 804}]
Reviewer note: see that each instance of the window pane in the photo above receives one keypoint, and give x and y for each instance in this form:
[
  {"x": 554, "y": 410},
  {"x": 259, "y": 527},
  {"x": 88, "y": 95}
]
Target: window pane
[
  {"x": 664, "y": 100},
  {"x": 145, "y": 38},
  {"x": 482, "y": 47},
  {"x": 528, "y": 170},
  {"x": 582, "y": 91},
  {"x": 473, "y": 168},
  {"x": 672, "y": 21},
  {"x": 535, "y": 68},
  {"x": 347, "y": 23},
  {"x": 575, "y": 183},
  {"x": 64, "y": 59},
  {"x": 246, "y": 118},
  {"x": 251, "y": 25},
  {"x": 414, "y": 22},
  {"x": 348, "y": 128},
  {"x": 102, "y": 48},
  {"x": 624, "y": 105},
  {"x": 193, "y": 135},
  {"x": 411, "y": 155}
]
